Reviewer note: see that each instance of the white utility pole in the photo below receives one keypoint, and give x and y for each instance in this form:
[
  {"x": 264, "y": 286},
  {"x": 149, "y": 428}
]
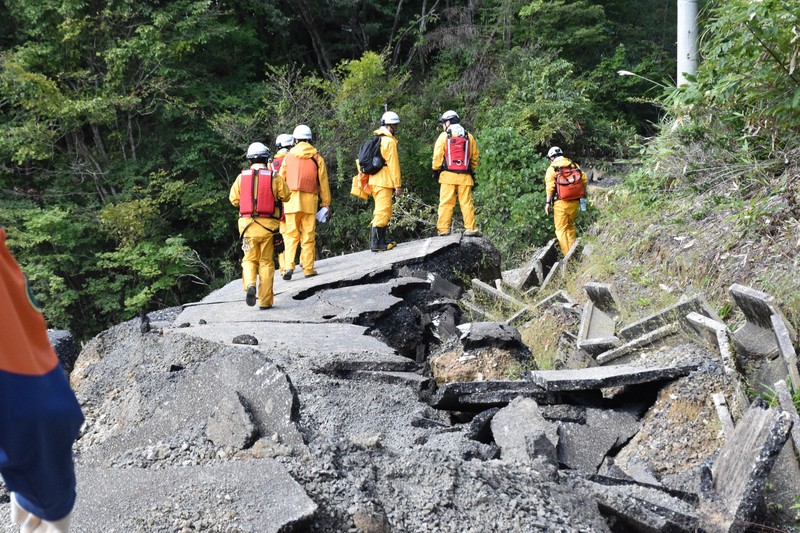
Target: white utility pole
[{"x": 687, "y": 40}]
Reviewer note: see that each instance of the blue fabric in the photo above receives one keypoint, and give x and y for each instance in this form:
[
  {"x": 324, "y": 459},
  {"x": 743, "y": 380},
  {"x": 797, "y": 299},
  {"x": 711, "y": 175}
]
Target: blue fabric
[{"x": 39, "y": 420}]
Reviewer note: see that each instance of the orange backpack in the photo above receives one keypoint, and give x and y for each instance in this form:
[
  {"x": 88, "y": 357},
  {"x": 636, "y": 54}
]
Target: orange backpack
[{"x": 569, "y": 185}]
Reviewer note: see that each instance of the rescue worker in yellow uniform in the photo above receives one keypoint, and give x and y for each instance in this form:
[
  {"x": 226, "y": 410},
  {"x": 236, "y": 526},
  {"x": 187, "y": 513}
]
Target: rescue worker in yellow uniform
[
  {"x": 455, "y": 159},
  {"x": 260, "y": 195},
  {"x": 307, "y": 177},
  {"x": 564, "y": 211},
  {"x": 283, "y": 143},
  {"x": 385, "y": 182}
]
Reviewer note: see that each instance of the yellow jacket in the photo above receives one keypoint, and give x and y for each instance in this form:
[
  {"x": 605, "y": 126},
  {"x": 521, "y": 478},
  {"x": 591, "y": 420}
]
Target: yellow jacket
[
  {"x": 389, "y": 175},
  {"x": 279, "y": 190},
  {"x": 305, "y": 202},
  {"x": 454, "y": 178},
  {"x": 550, "y": 175}
]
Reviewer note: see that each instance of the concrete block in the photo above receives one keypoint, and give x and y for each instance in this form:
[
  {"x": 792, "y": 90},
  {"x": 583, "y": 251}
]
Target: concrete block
[
  {"x": 584, "y": 446},
  {"x": 498, "y": 334},
  {"x": 474, "y": 311},
  {"x": 506, "y": 303},
  {"x": 786, "y": 403},
  {"x": 717, "y": 335},
  {"x": 231, "y": 423},
  {"x": 649, "y": 339},
  {"x": 786, "y": 349},
  {"x": 520, "y": 317},
  {"x": 673, "y": 314},
  {"x": 514, "y": 425},
  {"x": 604, "y": 298},
  {"x": 541, "y": 264},
  {"x": 480, "y": 395},
  {"x": 572, "y": 253},
  {"x": 596, "y": 332},
  {"x": 647, "y": 509},
  {"x": 550, "y": 275},
  {"x": 63, "y": 343},
  {"x": 603, "y": 376},
  {"x": 408, "y": 379},
  {"x": 756, "y": 338},
  {"x": 740, "y": 472},
  {"x": 442, "y": 287},
  {"x": 723, "y": 413},
  {"x": 556, "y": 297}
]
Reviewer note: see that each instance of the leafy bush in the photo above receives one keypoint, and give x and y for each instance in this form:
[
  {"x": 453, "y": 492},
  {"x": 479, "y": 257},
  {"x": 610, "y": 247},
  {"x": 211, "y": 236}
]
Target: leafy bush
[{"x": 509, "y": 199}]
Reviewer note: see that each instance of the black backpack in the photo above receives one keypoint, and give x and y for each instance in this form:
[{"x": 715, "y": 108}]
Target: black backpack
[{"x": 369, "y": 156}]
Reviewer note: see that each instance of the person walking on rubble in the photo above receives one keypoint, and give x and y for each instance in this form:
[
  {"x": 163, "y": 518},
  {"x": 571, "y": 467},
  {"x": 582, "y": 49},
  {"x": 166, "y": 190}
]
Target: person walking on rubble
[
  {"x": 455, "y": 159},
  {"x": 565, "y": 185},
  {"x": 385, "y": 182},
  {"x": 39, "y": 415},
  {"x": 305, "y": 173},
  {"x": 283, "y": 143},
  {"x": 260, "y": 195}
]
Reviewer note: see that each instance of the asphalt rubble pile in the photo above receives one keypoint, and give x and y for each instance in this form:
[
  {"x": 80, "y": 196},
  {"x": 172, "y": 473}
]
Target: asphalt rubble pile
[{"x": 375, "y": 397}]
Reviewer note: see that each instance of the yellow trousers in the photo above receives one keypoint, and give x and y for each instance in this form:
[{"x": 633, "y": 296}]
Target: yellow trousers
[
  {"x": 383, "y": 206},
  {"x": 564, "y": 220},
  {"x": 447, "y": 202},
  {"x": 300, "y": 230},
  {"x": 258, "y": 262},
  {"x": 282, "y": 255}
]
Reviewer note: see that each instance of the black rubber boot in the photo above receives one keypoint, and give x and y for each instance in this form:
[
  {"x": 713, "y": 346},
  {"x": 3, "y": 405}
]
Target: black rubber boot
[
  {"x": 383, "y": 245},
  {"x": 374, "y": 243}
]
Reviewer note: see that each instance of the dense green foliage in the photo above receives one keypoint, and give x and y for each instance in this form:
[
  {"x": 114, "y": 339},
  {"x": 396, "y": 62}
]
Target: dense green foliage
[{"x": 124, "y": 123}]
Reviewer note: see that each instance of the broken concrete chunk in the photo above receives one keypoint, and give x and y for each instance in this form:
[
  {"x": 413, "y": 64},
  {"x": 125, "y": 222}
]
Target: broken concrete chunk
[
  {"x": 672, "y": 314},
  {"x": 756, "y": 338},
  {"x": 647, "y": 509},
  {"x": 442, "y": 287},
  {"x": 453, "y": 395},
  {"x": 786, "y": 403},
  {"x": 596, "y": 333},
  {"x": 371, "y": 518},
  {"x": 480, "y": 428},
  {"x": 564, "y": 413},
  {"x": 786, "y": 349},
  {"x": 584, "y": 446},
  {"x": 508, "y": 304},
  {"x": 520, "y": 317},
  {"x": 604, "y": 298},
  {"x": 535, "y": 272},
  {"x": 573, "y": 252},
  {"x": 444, "y": 325},
  {"x": 231, "y": 424},
  {"x": 550, "y": 275},
  {"x": 744, "y": 463},
  {"x": 481, "y": 334},
  {"x": 555, "y": 298},
  {"x": 514, "y": 425},
  {"x": 63, "y": 343},
  {"x": 629, "y": 349},
  {"x": 245, "y": 339},
  {"x": 604, "y": 376},
  {"x": 723, "y": 413}
]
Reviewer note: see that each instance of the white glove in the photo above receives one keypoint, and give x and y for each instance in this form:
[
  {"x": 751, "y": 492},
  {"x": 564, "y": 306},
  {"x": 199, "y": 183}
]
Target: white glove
[{"x": 33, "y": 524}]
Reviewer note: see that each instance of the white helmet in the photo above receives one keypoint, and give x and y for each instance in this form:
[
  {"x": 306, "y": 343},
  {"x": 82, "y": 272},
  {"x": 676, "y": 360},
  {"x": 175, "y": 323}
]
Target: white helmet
[
  {"x": 450, "y": 115},
  {"x": 553, "y": 152},
  {"x": 284, "y": 140},
  {"x": 257, "y": 150},
  {"x": 390, "y": 117},
  {"x": 302, "y": 133}
]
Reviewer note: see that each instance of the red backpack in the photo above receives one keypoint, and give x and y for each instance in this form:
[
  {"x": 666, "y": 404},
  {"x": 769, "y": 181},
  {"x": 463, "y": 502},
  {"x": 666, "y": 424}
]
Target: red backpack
[
  {"x": 456, "y": 154},
  {"x": 259, "y": 203},
  {"x": 569, "y": 185}
]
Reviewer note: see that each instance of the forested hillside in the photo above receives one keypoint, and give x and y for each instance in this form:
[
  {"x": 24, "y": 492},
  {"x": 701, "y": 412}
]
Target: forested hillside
[{"x": 124, "y": 123}]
